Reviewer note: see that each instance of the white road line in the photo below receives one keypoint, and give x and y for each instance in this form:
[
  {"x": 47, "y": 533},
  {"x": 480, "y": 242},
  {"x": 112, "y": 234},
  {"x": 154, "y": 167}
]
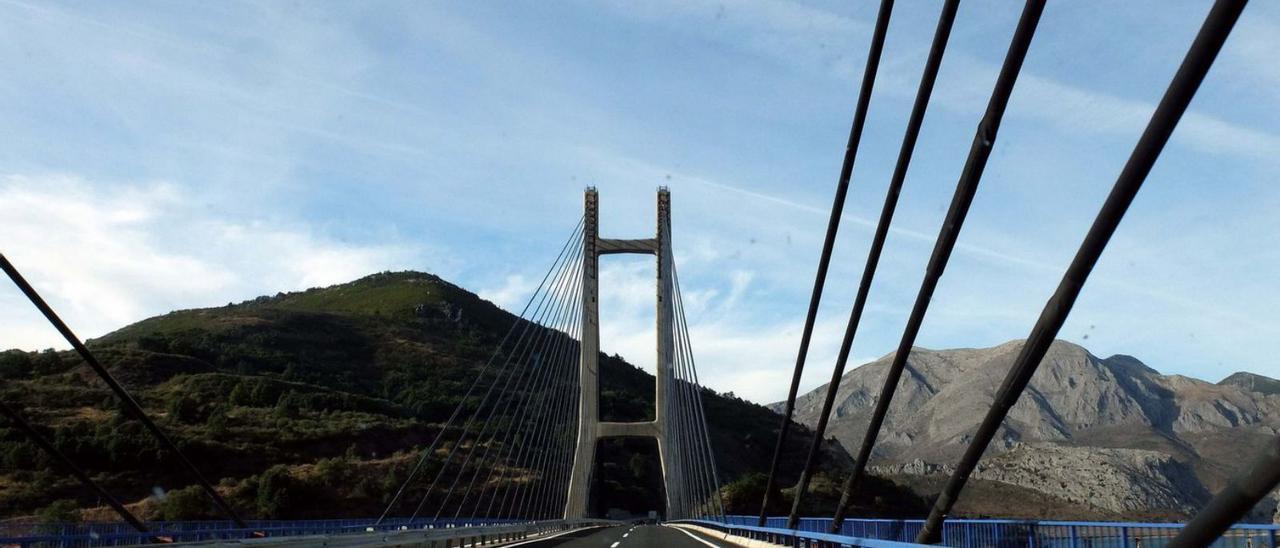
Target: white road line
[
  {"x": 615, "y": 545},
  {"x": 691, "y": 535}
]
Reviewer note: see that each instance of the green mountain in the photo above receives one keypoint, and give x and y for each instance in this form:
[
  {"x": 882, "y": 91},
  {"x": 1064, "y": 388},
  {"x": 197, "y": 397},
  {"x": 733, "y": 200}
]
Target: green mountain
[{"x": 314, "y": 404}]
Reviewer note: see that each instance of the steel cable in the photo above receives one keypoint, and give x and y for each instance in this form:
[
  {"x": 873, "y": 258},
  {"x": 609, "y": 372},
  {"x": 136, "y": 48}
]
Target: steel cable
[
  {"x": 701, "y": 411},
  {"x": 559, "y": 323},
  {"x": 1208, "y": 42},
  {"x": 833, "y": 226},
  {"x": 130, "y": 405},
  {"x": 553, "y": 310},
  {"x": 946, "y": 19},
  {"x": 426, "y": 453}
]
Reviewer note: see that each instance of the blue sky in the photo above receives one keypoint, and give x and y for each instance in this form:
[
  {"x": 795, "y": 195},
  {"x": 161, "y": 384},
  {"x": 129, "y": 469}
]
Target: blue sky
[{"x": 162, "y": 155}]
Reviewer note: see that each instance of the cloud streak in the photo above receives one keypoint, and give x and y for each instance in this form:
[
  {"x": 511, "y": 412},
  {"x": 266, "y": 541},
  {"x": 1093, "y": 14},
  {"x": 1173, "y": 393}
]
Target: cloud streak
[{"x": 106, "y": 258}]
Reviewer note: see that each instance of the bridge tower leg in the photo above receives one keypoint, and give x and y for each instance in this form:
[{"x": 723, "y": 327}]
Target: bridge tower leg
[{"x": 590, "y": 428}]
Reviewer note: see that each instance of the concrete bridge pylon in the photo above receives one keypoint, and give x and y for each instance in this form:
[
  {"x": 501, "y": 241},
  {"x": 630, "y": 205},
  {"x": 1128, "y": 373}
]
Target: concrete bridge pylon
[{"x": 590, "y": 428}]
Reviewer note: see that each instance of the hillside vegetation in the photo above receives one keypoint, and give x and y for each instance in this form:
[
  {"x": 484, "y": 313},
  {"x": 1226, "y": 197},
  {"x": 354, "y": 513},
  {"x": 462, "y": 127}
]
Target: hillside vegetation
[{"x": 309, "y": 404}]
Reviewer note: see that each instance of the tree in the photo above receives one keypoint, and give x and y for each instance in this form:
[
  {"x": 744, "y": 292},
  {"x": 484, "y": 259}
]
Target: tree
[
  {"x": 240, "y": 395},
  {"x": 263, "y": 393},
  {"x": 743, "y": 496},
  {"x": 184, "y": 409},
  {"x": 333, "y": 472},
  {"x": 19, "y": 455},
  {"x": 290, "y": 405},
  {"x": 638, "y": 465},
  {"x": 274, "y": 489},
  {"x": 217, "y": 421},
  {"x": 14, "y": 363}
]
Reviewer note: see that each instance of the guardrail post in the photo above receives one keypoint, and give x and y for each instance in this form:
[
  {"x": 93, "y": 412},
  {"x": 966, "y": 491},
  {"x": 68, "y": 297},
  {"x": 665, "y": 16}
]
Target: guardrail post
[{"x": 1124, "y": 537}]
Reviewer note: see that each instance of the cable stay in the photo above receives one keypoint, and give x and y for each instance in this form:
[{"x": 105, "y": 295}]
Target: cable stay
[
  {"x": 562, "y": 264},
  {"x": 1213, "y": 33},
  {"x": 553, "y": 313},
  {"x": 129, "y": 404},
  {"x": 824, "y": 260}
]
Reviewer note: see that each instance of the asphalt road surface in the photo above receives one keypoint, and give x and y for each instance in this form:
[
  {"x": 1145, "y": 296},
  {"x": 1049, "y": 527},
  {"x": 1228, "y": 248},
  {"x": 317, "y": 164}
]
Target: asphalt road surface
[{"x": 627, "y": 536}]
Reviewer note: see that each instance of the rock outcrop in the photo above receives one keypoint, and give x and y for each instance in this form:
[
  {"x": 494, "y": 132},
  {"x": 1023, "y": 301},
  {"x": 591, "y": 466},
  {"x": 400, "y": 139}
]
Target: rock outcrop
[{"x": 1110, "y": 433}]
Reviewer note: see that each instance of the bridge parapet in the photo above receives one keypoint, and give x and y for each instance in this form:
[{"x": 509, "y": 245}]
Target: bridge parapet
[
  {"x": 752, "y": 536},
  {"x": 287, "y": 533},
  {"x": 1005, "y": 533}
]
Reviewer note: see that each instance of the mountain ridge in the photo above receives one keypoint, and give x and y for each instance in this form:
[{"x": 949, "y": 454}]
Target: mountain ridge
[{"x": 1078, "y": 405}]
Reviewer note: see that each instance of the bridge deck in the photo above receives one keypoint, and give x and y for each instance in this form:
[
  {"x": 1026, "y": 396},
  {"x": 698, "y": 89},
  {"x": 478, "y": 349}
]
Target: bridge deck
[{"x": 628, "y": 536}]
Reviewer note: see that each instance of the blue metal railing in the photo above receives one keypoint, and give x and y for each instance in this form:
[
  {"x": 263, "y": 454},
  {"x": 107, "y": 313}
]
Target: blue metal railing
[
  {"x": 795, "y": 537},
  {"x": 1021, "y": 533},
  {"x": 70, "y": 535},
  {"x": 957, "y": 532}
]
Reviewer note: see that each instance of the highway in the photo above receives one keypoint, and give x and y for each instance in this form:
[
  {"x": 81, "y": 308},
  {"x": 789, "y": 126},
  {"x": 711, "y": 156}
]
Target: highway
[{"x": 626, "y": 536}]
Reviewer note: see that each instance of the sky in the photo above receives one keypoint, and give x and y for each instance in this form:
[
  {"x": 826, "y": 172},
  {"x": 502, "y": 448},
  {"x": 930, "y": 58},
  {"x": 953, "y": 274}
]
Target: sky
[{"x": 166, "y": 155}]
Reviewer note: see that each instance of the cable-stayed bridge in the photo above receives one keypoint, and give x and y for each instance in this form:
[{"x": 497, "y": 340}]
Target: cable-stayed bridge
[
  {"x": 513, "y": 462},
  {"x": 516, "y": 455}
]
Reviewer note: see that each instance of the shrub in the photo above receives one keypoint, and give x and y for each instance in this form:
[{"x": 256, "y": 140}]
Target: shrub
[
  {"x": 62, "y": 511},
  {"x": 188, "y": 503}
]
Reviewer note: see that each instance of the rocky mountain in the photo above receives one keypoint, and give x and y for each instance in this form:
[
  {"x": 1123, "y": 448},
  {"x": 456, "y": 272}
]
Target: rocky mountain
[
  {"x": 1110, "y": 437},
  {"x": 1252, "y": 383}
]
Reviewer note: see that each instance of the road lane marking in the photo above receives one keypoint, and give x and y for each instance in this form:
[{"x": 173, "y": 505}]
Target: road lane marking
[
  {"x": 615, "y": 545},
  {"x": 691, "y": 535}
]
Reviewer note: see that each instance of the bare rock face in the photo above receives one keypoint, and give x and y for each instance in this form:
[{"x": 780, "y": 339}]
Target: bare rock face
[
  {"x": 1110, "y": 433},
  {"x": 1118, "y": 481},
  {"x": 1123, "y": 481}
]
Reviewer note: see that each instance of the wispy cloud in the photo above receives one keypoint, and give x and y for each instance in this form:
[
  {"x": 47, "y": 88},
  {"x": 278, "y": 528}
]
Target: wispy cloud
[
  {"x": 512, "y": 294},
  {"x": 806, "y": 36},
  {"x": 1072, "y": 109},
  {"x": 106, "y": 258},
  {"x": 305, "y": 144}
]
